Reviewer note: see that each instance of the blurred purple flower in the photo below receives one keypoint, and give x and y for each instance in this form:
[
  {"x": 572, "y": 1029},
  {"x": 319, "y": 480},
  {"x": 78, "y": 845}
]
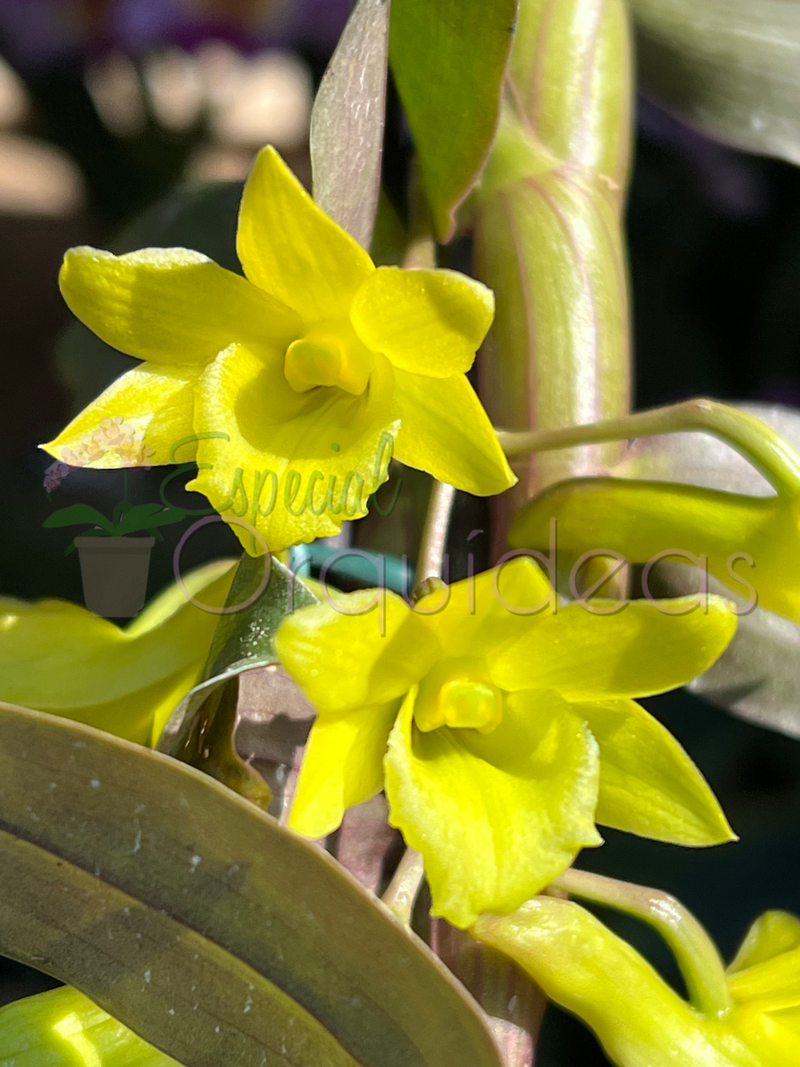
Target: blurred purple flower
[
  {"x": 40, "y": 33},
  {"x": 37, "y": 34}
]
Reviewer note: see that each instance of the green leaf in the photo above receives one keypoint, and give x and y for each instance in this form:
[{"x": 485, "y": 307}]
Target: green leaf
[
  {"x": 197, "y": 921},
  {"x": 756, "y": 677},
  {"x": 148, "y": 516},
  {"x": 348, "y": 119},
  {"x": 202, "y": 729},
  {"x": 76, "y": 514},
  {"x": 243, "y": 640},
  {"x": 730, "y": 69},
  {"x": 448, "y": 59},
  {"x": 120, "y": 509}
]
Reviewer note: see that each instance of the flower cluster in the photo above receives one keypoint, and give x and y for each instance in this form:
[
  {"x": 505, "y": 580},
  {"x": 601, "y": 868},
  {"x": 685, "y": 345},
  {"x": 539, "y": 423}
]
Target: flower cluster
[
  {"x": 283, "y": 385},
  {"x": 114, "y": 443},
  {"x": 55, "y": 474},
  {"x": 501, "y": 733},
  {"x": 498, "y": 743}
]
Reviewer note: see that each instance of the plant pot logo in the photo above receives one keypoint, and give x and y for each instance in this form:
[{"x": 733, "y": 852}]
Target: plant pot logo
[
  {"x": 114, "y": 573},
  {"x": 114, "y": 556}
]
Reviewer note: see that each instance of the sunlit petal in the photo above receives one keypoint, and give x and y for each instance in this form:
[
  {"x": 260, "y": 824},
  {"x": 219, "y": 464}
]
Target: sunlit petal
[
  {"x": 644, "y": 648},
  {"x": 155, "y": 401},
  {"x": 445, "y": 431},
  {"x": 58, "y": 657},
  {"x": 292, "y": 250},
  {"x": 373, "y": 648},
  {"x": 648, "y": 784},
  {"x": 294, "y": 465},
  {"x": 498, "y": 816},
  {"x": 342, "y": 766},
  {"x": 429, "y": 322},
  {"x": 170, "y": 305}
]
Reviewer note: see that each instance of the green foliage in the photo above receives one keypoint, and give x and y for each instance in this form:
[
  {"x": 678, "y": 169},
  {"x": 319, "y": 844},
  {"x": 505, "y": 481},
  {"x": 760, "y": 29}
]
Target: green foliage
[
  {"x": 201, "y": 729},
  {"x": 126, "y": 518},
  {"x": 731, "y": 69},
  {"x": 448, "y": 59},
  {"x": 196, "y": 920}
]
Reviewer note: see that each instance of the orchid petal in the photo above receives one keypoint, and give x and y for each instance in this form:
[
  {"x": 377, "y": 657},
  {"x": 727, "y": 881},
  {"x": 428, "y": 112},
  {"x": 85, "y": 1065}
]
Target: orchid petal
[
  {"x": 428, "y": 322},
  {"x": 648, "y": 784},
  {"x": 498, "y": 816},
  {"x": 157, "y": 402},
  {"x": 342, "y": 766},
  {"x": 171, "y": 305},
  {"x": 292, "y": 465},
  {"x": 487, "y": 611},
  {"x": 645, "y": 648},
  {"x": 445, "y": 431},
  {"x": 584, "y": 967},
  {"x": 772, "y": 934},
  {"x": 292, "y": 250},
  {"x": 747, "y": 541},
  {"x": 373, "y": 646},
  {"x": 58, "y": 657}
]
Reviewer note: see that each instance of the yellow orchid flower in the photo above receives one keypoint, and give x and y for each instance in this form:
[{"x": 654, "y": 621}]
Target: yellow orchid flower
[
  {"x": 64, "y": 1027},
  {"x": 292, "y": 386},
  {"x": 499, "y": 735},
  {"x": 58, "y": 657},
  {"x": 749, "y": 543},
  {"x": 639, "y": 1019},
  {"x": 764, "y": 980}
]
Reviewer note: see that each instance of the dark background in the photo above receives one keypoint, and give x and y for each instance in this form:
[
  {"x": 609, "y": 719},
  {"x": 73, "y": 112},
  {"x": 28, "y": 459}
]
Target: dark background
[{"x": 715, "y": 264}]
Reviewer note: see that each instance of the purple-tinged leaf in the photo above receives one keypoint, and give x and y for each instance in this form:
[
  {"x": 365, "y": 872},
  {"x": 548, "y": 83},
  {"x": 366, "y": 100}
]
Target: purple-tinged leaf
[{"x": 348, "y": 119}]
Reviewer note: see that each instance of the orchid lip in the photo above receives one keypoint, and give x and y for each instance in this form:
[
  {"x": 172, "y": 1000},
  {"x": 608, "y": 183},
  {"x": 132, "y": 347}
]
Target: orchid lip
[
  {"x": 457, "y": 693},
  {"x": 327, "y": 358}
]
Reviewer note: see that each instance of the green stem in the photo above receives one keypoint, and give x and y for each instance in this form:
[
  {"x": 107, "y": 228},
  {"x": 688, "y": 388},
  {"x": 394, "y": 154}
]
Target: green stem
[
  {"x": 420, "y": 254},
  {"x": 434, "y": 535},
  {"x": 421, "y": 251},
  {"x": 401, "y": 895},
  {"x": 758, "y": 443},
  {"x": 696, "y": 954}
]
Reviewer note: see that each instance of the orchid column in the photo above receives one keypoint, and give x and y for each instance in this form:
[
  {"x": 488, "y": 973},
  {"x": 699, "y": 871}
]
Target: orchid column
[{"x": 548, "y": 236}]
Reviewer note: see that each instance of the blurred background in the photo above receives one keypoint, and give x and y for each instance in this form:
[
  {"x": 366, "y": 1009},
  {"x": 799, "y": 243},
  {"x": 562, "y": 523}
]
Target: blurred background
[{"x": 127, "y": 123}]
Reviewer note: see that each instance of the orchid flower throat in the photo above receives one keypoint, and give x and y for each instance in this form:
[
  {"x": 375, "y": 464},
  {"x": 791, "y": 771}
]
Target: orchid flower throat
[
  {"x": 459, "y": 694},
  {"x": 329, "y": 354}
]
